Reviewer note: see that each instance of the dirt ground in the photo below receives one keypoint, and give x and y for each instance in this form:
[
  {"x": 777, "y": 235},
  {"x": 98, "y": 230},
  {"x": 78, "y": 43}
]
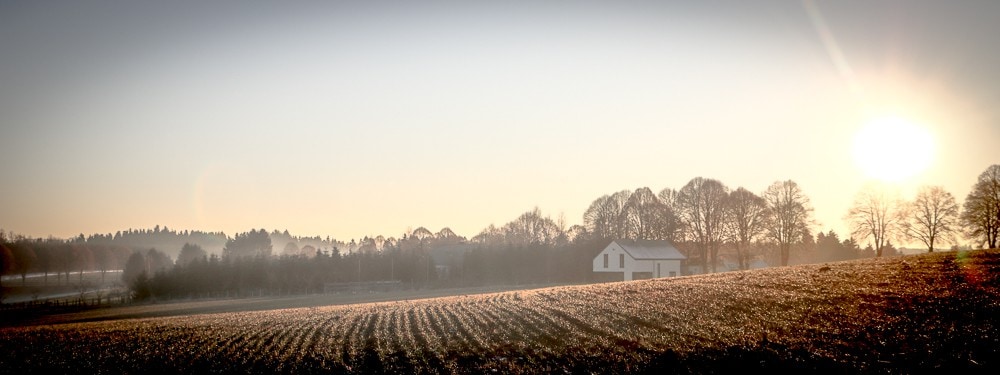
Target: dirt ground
[{"x": 922, "y": 313}]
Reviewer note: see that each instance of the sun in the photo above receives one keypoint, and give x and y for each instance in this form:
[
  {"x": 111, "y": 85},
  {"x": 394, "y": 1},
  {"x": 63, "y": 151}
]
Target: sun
[{"x": 892, "y": 149}]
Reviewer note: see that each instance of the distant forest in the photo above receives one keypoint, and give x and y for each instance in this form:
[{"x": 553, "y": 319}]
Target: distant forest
[{"x": 717, "y": 228}]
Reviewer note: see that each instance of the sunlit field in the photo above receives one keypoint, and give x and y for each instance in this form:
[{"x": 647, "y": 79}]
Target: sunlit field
[{"x": 901, "y": 314}]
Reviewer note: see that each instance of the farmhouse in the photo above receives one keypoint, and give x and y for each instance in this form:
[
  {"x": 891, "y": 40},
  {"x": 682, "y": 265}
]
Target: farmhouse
[{"x": 638, "y": 259}]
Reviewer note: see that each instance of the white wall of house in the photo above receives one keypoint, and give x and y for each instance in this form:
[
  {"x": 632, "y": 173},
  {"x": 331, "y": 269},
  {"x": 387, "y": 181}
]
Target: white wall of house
[
  {"x": 614, "y": 259},
  {"x": 665, "y": 268}
]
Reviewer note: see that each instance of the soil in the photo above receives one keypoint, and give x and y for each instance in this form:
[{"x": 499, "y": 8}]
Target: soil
[{"x": 922, "y": 313}]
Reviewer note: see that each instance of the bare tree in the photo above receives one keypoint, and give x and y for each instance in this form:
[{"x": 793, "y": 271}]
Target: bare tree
[
  {"x": 489, "y": 235},
  {"x": 598, "y": 219},
  {"x": 617, "y": 204},
  {"x": 422, "y": 234},
  {"x": 577, "y": 233},
  {"x": 603, "y": 217},
  {"x": 981, "y": 213},
  {"x": 701, "y": 204},
  {"x": 876, "y": 214},
  {"x": 789, "y": 215},
  {"x": 531, "y": 228},
  {"x": 667, "y": 224},
  {"x": 446, "y": 234},
  {"x": 669, "y": 197},
  {"x": 746, "y": 215},
  {"x": 932, "y": 216},
  {"x": 640, "y": 214},
  {"x": 672, "y": 226}
]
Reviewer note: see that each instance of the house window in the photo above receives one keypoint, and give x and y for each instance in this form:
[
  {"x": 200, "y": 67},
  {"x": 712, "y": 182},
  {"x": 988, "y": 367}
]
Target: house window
[
  {"x": 672, "y": 273},
  {"x": 605, "y": 260},
  {"x": 621, "y": 260}
]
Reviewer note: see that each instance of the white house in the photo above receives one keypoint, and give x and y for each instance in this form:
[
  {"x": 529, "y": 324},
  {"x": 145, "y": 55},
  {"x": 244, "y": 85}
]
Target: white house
[{"x": 640, "y": 259}]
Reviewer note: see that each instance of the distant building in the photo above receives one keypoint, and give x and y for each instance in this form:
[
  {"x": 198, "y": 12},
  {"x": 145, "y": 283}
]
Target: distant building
[
  {"x": 640, "y": 259},
  {"x": 448, "y": 259}
]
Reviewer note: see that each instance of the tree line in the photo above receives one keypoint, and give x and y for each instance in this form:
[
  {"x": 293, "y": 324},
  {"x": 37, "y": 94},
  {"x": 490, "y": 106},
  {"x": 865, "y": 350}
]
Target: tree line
[
  {"x": 932, "y": 217},
  {"x": 704, "y": 218}
]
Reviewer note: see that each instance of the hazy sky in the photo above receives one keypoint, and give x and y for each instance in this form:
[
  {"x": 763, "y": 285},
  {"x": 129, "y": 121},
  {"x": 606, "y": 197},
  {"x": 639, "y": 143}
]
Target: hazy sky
[{"x": 361, "y": 118}]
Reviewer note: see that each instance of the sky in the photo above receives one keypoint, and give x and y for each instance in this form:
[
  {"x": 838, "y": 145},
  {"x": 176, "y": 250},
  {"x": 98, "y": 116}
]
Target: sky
[{"x": 355, "y": 118}]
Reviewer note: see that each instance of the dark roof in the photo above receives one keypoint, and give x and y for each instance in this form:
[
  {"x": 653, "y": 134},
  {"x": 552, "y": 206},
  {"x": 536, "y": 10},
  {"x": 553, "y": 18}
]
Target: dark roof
[{"x": 650, "y": 249}]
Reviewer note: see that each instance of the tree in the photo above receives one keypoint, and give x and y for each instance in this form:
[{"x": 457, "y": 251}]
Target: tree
[
  {"x": 291, "y": 248},
  {"x": 603, "y": 217},
  {"x": 422, "y": 234},
  {"x": 62, "y": 259},
  {"x": 981, "y": 213},
  {"x": 666, "y": 225},
  {"x": 44, "y": 261},
  {"x": 829, "y": 248},
  {"x": 932, "y": 216},
  {"x": 701, "y": 205},
  {"x": 191, "y": 252},
  {"x": 642, "y": 215},
  {"x": 577, "y": 233},
  {"x": 157, "y": 261},
  {"x": 6, "y": 264},
  {"x": 24, "y": 259},
  {"x": 746, "y": 215},
  {"x": 102, "y": 259},
  {"x": 876, "y": 214},
  {"x": 446, "y": 234},
  {"x": 135, "y": 266},
  {"x": 488, "y": 236},
  {"x": 531, "y": 228},
  {"x": 141, "y": 286},
  {"x": 82, "y": 258},
  {"x": 789, "y": 215},
  {"x": 673, "y": 228},
  {"x": 250, "y": 244}
]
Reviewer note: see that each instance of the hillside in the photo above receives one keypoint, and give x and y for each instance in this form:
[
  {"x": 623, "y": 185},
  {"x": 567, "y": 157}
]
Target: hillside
[{"x": 904, "y": 314}]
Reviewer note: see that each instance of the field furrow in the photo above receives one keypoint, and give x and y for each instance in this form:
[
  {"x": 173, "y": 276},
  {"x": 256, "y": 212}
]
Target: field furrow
[
  {"x": 426, "y": 340},
  {"x": 353, "y": 320},
  {"x": 466, "y": 326}
]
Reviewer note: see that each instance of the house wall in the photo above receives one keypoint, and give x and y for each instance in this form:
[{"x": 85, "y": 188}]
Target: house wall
[
  {"x": 663, "y": 268},
  {"x": 658, "y": 268},
  {"x": 614, "y": 253},
  {"x": 632, "y": 265}
]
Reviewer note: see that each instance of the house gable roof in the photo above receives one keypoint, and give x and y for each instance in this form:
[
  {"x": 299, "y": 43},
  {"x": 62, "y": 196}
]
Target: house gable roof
[{"x": 649, "y": 249}]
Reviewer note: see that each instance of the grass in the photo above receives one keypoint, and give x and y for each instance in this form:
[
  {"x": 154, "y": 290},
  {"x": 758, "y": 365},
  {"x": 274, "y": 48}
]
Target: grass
[{"x": 929, "y": 312}]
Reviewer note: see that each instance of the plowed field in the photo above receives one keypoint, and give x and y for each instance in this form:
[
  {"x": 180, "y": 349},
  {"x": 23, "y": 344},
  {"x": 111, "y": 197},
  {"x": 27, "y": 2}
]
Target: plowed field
[{"x": 906, "y": 314}]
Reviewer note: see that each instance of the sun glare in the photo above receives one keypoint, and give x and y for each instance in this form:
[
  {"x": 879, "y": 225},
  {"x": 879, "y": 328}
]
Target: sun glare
[{"x": 892, "y": 149}]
